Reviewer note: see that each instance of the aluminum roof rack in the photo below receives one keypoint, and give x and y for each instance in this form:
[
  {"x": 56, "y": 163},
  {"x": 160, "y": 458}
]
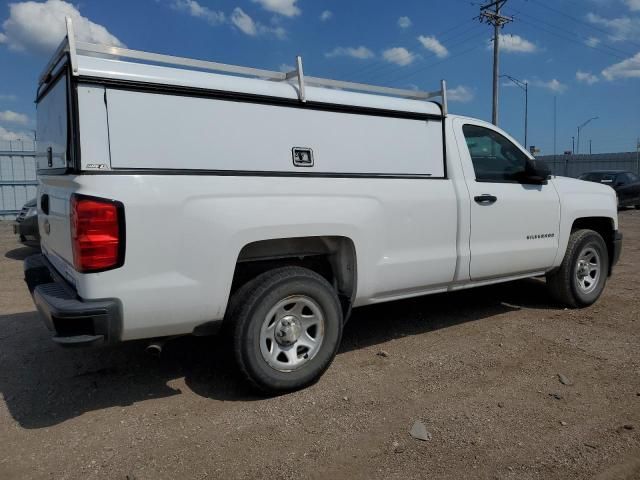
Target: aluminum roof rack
[{"x": 73, "y": 48}]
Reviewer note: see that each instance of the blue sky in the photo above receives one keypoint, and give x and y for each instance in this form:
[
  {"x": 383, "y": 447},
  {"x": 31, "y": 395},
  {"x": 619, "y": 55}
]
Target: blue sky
[{"x": 585, "y": 53}]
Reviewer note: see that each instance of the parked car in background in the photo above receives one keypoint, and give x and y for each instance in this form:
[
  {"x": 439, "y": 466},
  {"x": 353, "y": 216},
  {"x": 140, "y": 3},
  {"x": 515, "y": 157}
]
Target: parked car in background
[
  {"x": 26, "y": 224},
  {"x": 626, "y": 184}
]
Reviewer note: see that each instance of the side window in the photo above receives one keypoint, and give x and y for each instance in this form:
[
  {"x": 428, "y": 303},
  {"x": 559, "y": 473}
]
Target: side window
[
  {"x": 495, "y": 159},
  {"x": 632, "y": 177}
]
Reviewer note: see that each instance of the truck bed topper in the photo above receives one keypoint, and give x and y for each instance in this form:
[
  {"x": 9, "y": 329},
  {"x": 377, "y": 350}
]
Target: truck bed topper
[{"x": 93, "y": 60}]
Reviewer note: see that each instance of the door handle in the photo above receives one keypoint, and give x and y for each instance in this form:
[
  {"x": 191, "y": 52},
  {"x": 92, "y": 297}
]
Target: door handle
[{"x": 485, "y": 199}]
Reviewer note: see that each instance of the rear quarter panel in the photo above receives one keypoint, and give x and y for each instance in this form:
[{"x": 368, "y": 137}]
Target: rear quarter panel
[{"x": 184, "y": 234}]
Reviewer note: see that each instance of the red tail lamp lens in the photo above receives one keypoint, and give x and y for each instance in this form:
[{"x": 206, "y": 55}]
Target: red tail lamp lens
[{"x": 96, "y": 234}]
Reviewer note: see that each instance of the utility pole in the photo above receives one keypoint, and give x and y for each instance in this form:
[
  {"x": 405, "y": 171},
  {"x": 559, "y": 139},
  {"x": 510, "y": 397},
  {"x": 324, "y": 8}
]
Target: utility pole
[
  {"x": 555, "y": 125},
  {"x": 493, "y": 17},
  {"x": 638, "y": 155},
  {"x": 573, "y": 145},
  {"x": 589, "y": 146}
]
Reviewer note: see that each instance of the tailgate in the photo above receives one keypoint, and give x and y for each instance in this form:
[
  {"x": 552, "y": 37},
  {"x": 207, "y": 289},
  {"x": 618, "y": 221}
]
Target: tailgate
[{"x": 54, "y": 202}]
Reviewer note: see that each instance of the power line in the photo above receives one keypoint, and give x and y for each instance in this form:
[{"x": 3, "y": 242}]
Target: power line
[
  {"x": 394, "y": 69},
  {"x": 576, "y": 20},
  {"x": 381, "y": 65},
  {"x": 411, "y": 74},
  {"x": 572, "y": 39},
  {"x": 408, "y": 74},
  {"x": 617, "y": 51}
]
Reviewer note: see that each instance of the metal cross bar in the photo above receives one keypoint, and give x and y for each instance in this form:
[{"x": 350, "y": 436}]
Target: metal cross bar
[
  {"x": 75, "y": 48},
  {"x": 4, "y": 183},
  {"x": 20, "y": 153}
]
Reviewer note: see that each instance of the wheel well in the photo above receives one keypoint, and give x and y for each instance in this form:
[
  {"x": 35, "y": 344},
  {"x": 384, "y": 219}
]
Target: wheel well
[
  {"x": 332, "y": 257},
  {"x": 602, "y": 225}
]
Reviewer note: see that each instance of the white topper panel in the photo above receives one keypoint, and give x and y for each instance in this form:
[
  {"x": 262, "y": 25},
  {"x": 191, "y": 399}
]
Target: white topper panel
[
  {"x": 176, "y": 132},
  {"x": 52, "y": 127},
  {"x": 94, "y": 132}
]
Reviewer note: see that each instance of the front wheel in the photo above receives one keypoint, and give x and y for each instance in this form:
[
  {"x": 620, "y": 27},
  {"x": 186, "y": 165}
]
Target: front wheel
[
  {"x": 582, "y": 276},
  {"x": 287, "y": 327}
]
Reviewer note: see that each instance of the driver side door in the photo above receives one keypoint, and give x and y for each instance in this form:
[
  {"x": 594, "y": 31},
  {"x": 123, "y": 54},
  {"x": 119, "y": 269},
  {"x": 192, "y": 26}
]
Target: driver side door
[{"x": 514, "y": 223}]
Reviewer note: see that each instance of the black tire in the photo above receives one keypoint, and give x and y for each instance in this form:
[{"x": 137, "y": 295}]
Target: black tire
[
  {"x": 564, "y": 284},
  {"x": 248, "y": 310}
]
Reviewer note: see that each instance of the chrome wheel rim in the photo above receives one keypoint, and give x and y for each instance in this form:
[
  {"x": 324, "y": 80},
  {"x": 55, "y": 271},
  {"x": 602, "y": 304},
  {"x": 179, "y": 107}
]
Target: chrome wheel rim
[
  {"x": 292, "y": 333},
  {"x": 588, "y": 270}
]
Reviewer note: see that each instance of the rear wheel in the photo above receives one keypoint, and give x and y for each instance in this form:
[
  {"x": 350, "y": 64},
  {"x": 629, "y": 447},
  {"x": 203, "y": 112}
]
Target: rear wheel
[
  {"x": 286, "y": 327},
  {"x": 582, "y": 276}
]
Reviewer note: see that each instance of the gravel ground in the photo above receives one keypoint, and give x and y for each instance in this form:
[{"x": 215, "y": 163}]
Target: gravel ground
[{"x": 479, "y": 368}]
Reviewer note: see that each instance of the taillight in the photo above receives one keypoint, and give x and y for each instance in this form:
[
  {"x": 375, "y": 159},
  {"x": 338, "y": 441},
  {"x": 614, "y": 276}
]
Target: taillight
[{"x": 97, "y": 233}]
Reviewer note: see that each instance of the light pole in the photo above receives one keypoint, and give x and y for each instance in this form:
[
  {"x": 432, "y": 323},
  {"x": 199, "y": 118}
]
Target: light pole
[
  {"x": 524, "y": 85},
  {"x": 580, "y": 127}
]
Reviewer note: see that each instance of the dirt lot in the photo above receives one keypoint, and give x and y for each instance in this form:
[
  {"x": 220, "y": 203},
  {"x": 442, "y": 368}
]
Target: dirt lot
[{"x": 479, "y": 368}]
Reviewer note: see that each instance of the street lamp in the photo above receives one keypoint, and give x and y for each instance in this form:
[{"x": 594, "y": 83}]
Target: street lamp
[
  {"x": 580, "y": 127},
  {"x": 524, "y": 85}
]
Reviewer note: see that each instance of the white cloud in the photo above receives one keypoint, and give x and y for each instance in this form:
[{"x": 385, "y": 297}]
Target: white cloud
[
  {"x": 399, "y": 55},
  {"x": 592, "y": 42},
  {"x": 515, "y": 44},
  {"x": 9, "y": 116},
  {"x": 39, "y": 27},
  {"x": 629, "y": 68},
  {"x": 9, "y": 136},
  {"x": 193, "y": 8},
  {"x": 5, "y": 97},
  {"x": 622, "y": 28},
  {"x": 404, "y": 22},
  {"x": 587, "y": 77},
  {"x": 552, "y": 85},
  {"x": 247, "y": 25},
  {"x": 326, "y": 15},
  {"x": 460, "y": 94},
  {"x": 286, "y": 68},
  {"x": 244, "y": 22},
  {"x": 634, "y": 5},
  {"x": 287, "y": 8},
  {"x": 354, "y": 52},
  {"x": 433, "y": 45}
]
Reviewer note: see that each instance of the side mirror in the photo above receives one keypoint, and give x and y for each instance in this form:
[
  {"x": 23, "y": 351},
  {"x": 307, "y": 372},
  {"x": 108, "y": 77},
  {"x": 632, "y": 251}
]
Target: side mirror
[{"x": 538, "y": 172}]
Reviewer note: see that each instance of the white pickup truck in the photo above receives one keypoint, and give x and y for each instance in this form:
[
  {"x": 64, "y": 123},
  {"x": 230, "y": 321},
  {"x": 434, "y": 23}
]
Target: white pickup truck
[{"x": 173, "y": 200}]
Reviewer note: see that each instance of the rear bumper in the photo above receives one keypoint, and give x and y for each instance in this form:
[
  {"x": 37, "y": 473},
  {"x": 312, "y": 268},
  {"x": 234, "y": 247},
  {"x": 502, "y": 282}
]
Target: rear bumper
[
  {"x": 73, "y": 321},
  {"x": 617, "y": 247},
  {"x": 27, "y": 228}
]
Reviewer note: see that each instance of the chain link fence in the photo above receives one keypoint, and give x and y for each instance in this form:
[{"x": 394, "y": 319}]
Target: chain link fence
[
  {"x": 576, "y": 165},
  {"x": 17, "y": 176}
]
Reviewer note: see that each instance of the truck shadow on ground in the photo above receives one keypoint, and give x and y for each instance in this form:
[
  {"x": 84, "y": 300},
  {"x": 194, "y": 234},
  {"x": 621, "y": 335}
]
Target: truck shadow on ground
[
  {"x": 21, "y": 253},
  {"x": 44, "y": 385}
]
